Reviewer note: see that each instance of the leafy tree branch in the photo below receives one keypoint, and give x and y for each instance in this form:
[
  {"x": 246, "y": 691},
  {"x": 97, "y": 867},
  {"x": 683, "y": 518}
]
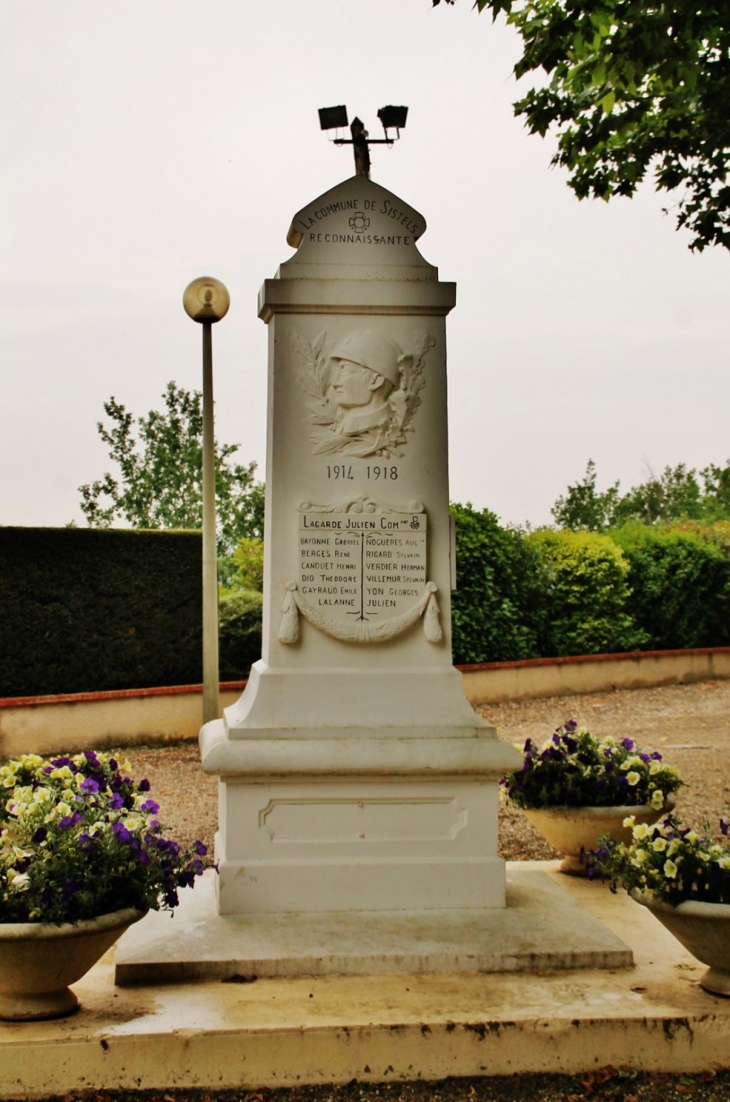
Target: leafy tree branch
[
  {"x": 633, "y": 85},
  {"x": 159, "y": 460}
]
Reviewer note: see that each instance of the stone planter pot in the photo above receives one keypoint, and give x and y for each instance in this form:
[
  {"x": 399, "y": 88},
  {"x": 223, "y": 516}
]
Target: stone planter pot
[
  {"x": 39, "y": 960},
  {"x": 571, "y": 829},
  {"x": 704, "y": 930}
]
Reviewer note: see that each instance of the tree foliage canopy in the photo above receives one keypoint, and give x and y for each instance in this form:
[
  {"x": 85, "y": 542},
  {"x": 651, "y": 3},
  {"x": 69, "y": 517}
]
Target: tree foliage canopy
[
  {"x": 633, "y": 85},
  {"x": 678, "y": 493},
  {"x": 160, "y": 463}
]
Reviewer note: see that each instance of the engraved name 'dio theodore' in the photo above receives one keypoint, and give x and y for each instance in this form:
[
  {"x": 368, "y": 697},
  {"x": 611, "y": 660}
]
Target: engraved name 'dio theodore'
[
  {"x": 362, "y": 578},
  {"x": 362, "y": 567}
]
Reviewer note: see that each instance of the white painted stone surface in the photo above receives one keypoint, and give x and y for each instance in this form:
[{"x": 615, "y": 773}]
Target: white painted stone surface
[
  {"x": 355, "y": 714},
  {"x": 542, "y": 928}
]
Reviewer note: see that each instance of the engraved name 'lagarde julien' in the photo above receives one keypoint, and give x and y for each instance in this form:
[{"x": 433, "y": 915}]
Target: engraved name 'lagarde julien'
[{"x": 362, "y": 391}]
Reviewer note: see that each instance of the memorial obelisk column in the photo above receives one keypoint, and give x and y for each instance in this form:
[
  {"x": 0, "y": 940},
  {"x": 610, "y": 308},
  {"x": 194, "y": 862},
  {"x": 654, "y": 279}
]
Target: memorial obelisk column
[{"x": 354, "y": 775}]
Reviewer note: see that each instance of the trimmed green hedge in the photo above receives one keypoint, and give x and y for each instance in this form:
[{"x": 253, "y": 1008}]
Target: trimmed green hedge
[
  {"x": 239, "y": 633},
  {"x": 679, "y": 583},
  {"x": 584, "y": 595},
  {"x": 85, "y": 610},
  {"x": 495, "y": 609}
]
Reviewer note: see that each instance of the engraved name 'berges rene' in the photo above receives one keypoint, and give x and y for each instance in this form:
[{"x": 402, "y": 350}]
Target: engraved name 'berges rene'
[{"x": 363, "y": 567}]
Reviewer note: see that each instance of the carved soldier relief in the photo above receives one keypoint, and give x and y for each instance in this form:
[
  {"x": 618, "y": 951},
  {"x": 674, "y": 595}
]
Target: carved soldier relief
[{"x": 363, "y": 392}]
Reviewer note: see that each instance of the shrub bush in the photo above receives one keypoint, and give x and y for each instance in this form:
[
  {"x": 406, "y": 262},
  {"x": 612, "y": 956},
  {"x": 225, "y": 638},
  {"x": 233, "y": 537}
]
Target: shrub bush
[
  {"x": 679, "y": 581},
  {"x": 495, "y": 606},
  {"x": 87, "y": 609},
  {"x": 239, "y": 621},
  {"x": 583, "y": 593}
]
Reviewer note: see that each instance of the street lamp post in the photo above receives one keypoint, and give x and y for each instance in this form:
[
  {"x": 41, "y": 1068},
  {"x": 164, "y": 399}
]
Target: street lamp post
[{"x": 206, "y": 301}]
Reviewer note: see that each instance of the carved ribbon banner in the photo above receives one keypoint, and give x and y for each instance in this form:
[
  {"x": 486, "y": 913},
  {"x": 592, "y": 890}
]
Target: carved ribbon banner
[{"x": 360, "y": 630}]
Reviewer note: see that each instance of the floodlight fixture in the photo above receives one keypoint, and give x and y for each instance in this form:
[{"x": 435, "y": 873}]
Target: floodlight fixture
[
  {"x": 392, "y": 118},
  {"x": 332, "y": 118}
]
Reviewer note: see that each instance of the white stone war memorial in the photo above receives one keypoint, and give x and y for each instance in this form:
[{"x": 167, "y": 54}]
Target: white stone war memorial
[
  {"x": 358, "y": 790},
  {"x": 354, "y": 775}
]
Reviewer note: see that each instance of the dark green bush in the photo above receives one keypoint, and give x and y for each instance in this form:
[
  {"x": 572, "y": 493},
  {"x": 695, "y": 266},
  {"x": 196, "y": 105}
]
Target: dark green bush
[
  {"x": 85, "y": 610},
  {"x": 679, "y": 579},
  {"x": 495, "y": 606},
  {"x": 583, "y": 592},
  {"x": 239, "y": 618}
]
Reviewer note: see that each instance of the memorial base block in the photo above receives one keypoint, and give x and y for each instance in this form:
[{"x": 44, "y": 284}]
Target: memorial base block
[{"x": 407, "y": 824}]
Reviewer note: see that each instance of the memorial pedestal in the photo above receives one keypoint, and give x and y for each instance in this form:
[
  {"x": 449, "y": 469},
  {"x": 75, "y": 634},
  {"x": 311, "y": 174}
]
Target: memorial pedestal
[{"x": 354, "y": 775}]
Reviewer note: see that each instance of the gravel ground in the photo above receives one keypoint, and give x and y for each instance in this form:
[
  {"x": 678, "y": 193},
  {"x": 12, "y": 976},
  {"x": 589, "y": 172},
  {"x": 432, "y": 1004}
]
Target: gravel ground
[
  {"x": 689, "y": 724},
  {"x": 605, "y": 1085}
]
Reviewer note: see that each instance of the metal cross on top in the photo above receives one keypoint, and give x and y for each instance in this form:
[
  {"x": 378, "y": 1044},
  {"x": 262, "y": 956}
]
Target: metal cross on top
[{"x": 335, "y": 118}]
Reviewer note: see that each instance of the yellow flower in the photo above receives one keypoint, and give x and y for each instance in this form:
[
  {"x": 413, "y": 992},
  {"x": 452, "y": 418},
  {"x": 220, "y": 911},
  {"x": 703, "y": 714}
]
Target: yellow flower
[
  {"x": 633, "y": 778},
  {"x": 659, "y": 845},
  {"x": 654, "y": 768},
  {"x": 670, "y": 870},
  {"x": 657, "y": 800},
  {"x": 640, "y": 832},
  {"x": 629, "y": 820}
]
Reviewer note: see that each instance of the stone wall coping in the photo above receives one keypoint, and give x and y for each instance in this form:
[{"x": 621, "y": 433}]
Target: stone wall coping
[{"x": 234, "y": 686}]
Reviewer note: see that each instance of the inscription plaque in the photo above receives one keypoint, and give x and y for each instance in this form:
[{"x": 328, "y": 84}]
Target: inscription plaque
[{"x": 362, "y": 568}]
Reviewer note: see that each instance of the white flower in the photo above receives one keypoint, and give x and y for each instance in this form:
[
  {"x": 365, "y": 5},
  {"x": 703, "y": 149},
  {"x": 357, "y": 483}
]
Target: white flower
[{"x": 62, "y": 773}]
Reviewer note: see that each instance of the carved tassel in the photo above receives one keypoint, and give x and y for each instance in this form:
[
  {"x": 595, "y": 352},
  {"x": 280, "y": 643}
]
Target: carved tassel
[
  {"x": 289, "y": 627},
  {"x": 431, "y": 620}
]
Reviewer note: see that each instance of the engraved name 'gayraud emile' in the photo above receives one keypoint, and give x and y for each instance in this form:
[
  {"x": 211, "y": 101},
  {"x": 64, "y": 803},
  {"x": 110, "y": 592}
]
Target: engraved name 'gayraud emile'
[
  {"x": 362, "y": 573},
  {"x": 362, "y": 391}
]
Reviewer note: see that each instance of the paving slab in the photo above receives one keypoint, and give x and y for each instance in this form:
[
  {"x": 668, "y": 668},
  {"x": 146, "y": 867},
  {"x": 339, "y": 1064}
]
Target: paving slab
[
  {"x": 542, "y": 927},
  {"x": 284, "y": 1031}
]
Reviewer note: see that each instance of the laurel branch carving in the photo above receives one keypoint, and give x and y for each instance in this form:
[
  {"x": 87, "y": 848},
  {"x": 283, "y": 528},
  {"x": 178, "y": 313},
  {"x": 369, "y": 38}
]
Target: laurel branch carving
[{"x": 387, "y": 439}]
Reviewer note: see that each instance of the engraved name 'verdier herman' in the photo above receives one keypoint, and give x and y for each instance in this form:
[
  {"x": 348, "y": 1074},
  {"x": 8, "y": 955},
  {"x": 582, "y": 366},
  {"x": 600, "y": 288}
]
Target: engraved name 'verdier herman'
[
  {"x": 362, "y": 393},
  {"x": 361, "y": 578}
]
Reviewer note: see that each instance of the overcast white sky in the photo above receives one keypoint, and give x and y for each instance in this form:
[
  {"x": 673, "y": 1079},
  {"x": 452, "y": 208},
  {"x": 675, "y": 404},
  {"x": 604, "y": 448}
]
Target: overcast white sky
[{"x": 147, "y": 142}]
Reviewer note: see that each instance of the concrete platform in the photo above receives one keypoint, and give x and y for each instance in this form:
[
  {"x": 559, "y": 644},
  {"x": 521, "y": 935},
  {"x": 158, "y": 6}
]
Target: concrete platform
[
  {"x": 283, "y": 1031},
  {"x": 542, "y": 927}
]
